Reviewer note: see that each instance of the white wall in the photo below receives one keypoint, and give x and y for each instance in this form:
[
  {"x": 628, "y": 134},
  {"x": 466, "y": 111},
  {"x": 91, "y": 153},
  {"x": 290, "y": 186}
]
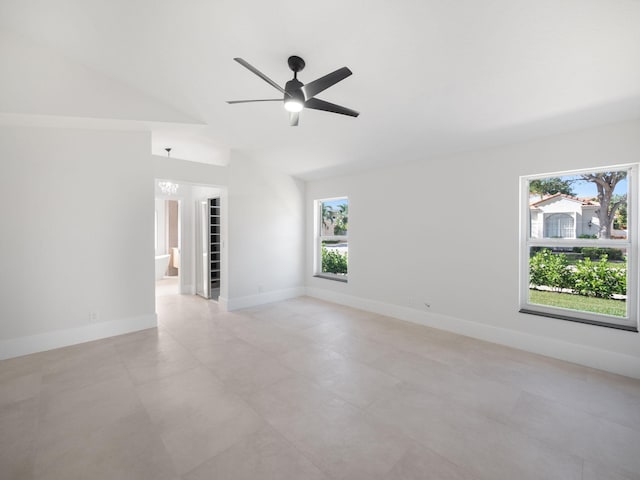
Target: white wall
[
  {"x": 161, "y": 248},
  {"x": 77, "y": 236},
  {"x": 37, "y": 80},
  {"x": 262, "y": 227},
  {"x": 183, "y": 171},
  {"x": 430, "y": 250},
  {"x": 265, "y": 234}
]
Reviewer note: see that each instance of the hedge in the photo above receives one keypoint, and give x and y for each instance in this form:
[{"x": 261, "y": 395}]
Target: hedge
[
  {"x": 588, "y": 278},
  {"x": 333, "y": 261}
]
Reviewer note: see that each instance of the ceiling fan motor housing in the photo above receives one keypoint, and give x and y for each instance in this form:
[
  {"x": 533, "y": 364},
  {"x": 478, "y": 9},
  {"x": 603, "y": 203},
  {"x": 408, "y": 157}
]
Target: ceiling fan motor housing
[{"x": 294, "y": 90}]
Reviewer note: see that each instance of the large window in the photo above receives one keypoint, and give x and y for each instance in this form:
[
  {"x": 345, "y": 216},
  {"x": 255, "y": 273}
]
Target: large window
[
  {"x": 579, "y": 246},
  {"x": 332, "y": 246}
]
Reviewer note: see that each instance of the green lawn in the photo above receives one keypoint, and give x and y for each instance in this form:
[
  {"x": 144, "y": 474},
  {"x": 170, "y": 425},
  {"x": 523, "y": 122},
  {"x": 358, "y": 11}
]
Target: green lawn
[
  {"x": 609, "y": 264},
  {"x": 617, "y": 308},
  {"x": 617, "y": 264}
]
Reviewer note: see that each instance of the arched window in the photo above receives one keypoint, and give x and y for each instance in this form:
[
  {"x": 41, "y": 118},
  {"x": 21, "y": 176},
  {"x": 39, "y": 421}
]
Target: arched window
[{"x": 559, "y": 225}]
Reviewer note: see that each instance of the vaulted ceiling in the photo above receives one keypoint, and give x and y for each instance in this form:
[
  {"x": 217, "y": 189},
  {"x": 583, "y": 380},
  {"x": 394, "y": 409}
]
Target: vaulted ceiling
[{"x": 430, "y": 77}]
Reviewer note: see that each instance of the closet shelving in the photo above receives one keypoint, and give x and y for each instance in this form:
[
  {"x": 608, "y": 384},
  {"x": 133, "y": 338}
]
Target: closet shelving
[{"x": 214, "y": 246}]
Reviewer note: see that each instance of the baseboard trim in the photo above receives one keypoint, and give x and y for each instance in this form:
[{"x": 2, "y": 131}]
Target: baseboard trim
[
  {"x": 16, "y": 347},
  {"x": 584, "y": 355},
  {"x": 261, "y": 298}
]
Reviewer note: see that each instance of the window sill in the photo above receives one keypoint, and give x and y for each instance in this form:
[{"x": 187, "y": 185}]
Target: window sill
[
  {"x": 569, "y": 318},
  {"x": 331, "y": 277}
]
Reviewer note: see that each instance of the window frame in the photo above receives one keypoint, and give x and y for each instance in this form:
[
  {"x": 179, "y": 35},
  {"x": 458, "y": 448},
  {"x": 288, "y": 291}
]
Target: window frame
[
  {"x": 319, "y": 238},
  {"x": 630, "y": 322}
]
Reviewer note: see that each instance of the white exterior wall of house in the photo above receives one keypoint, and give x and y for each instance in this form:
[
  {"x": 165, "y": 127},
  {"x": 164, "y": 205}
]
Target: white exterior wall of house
[
  {"x": 561, "y": 205},
  {"x": 589, "y": 215},
  {"x": 544, "y": 213},
  {"x": 536, "y": 222}
]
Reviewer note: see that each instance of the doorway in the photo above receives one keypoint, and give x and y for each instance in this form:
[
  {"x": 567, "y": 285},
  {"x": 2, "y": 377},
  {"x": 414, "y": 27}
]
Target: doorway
[
  {"x": 184, "y": 239},
  {"x": 167, "y": 246}
]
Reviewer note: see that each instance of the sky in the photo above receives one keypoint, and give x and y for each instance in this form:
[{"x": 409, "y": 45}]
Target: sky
[
  {"x": 334, "y": 203},
  {"x": 585, "y": 189}
]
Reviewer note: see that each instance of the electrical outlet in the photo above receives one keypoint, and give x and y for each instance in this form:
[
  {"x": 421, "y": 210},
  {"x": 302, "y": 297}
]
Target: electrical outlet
[{"x": 94, "y": 316}]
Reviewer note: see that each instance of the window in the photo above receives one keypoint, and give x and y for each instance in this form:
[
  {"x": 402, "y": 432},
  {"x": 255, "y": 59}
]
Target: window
[
  {"x": 579, "y": 246},
  {"x": 332, "y": 246},
  {"x": 559, "y": 225}
]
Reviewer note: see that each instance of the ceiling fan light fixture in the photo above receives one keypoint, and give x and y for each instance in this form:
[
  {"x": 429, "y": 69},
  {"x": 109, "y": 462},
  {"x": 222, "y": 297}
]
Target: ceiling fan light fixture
[{"x": 293, "y": 105}]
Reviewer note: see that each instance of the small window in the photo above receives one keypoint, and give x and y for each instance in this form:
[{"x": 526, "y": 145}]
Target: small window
[
  {"x": 332, "y": 245},
  {"x": 579, "y": 246}
]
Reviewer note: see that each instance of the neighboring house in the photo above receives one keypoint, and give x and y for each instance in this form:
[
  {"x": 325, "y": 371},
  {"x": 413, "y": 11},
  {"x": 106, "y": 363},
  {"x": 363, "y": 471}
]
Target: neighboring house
[{"x": 563, "y": 216}]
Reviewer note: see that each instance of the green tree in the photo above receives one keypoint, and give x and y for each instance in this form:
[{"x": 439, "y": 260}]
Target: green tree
[
  {"x": 550, "y": 186},
  {"x": 342, "y": 219},
  {"x": 606, "y": 183},
  {"x": 328, "y": 216},
  {"x": 620, "y": 219}
]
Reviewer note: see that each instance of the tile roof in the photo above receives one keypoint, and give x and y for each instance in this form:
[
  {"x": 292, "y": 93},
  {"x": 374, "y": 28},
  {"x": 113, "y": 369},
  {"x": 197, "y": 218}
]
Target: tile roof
[{"x": 583, "y": 201}]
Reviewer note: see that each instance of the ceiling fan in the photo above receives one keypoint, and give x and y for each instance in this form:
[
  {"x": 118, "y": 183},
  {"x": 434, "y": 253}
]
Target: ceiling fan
[{"x": 297, "y": 95}]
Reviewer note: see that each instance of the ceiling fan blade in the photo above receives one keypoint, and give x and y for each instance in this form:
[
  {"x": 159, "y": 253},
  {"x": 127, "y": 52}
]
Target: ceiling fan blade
[
  {"x": 247, "y": 65},
  {"x": 311, "y": 89},
  {"x": 250, "y": 101},
  {"x": 293, "y": 118},
  {"x": 317, "y": 104}
]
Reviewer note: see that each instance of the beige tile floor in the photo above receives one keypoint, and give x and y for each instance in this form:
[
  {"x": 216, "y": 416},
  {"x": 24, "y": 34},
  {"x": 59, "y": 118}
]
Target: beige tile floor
[{"x": 304, "y": 389}]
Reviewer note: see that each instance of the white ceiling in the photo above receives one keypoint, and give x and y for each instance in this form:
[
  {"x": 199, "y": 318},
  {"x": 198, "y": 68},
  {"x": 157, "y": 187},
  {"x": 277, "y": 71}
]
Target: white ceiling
[{"x": 430, "y": 77}]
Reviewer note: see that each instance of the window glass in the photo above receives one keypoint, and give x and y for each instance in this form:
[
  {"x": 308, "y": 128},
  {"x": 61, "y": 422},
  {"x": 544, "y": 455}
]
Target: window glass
[
  {"x": 577, "y": 257},
  {"x": 582, "y": 279},
  {"x": 334, "y": 217},
  {"x": 583, "y": 205},
  {"x": 332, "y": 246},
  {"x": 334, "y": 257}
]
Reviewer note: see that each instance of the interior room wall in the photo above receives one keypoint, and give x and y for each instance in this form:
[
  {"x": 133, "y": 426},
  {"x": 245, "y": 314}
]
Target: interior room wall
[
  {"x": 445, "y": 232},
  {"x": 77, "y": 262},
  {"x": 161, "y": 247},
  {"x": 190, "y": 172},
  {"x": 266, "y": 234}
]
